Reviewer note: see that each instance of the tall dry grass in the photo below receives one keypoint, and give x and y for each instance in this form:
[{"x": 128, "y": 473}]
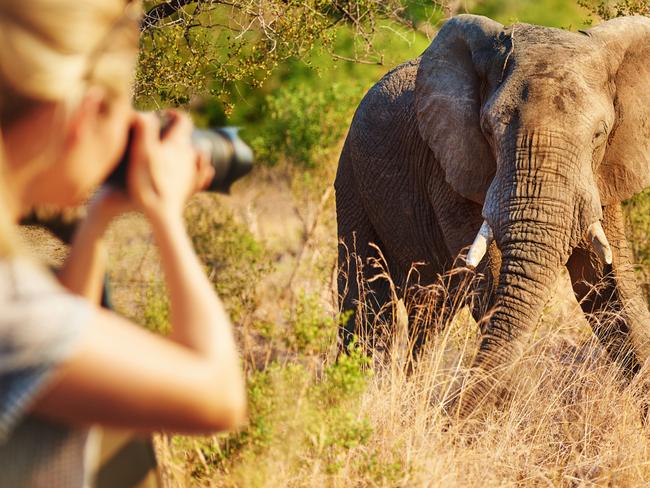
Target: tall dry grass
[{"x": 561, "y": 414}]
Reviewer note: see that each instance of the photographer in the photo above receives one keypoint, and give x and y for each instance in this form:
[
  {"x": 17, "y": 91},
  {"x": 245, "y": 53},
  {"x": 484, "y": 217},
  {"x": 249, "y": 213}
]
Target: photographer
[{"x": 65, "y": 363}]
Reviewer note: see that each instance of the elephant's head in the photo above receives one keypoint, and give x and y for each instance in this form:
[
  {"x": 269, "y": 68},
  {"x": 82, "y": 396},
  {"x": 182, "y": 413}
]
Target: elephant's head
[{"x": 543, "y": 127}]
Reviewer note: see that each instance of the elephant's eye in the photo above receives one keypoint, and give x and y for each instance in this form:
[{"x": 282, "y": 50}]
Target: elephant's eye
[{"x": 601, "y": 134}]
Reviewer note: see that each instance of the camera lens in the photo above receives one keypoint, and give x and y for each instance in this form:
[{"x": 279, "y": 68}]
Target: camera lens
[{"x": 230, "y": 156}]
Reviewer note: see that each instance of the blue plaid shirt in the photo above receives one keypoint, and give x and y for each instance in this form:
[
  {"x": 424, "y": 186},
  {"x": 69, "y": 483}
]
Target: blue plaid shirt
[{"x": 40, "y": 323}]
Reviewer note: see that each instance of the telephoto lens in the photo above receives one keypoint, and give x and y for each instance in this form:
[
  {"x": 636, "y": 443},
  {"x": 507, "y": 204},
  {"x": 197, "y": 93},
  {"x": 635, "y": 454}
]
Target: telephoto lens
[{"x": 229, "y": 155}]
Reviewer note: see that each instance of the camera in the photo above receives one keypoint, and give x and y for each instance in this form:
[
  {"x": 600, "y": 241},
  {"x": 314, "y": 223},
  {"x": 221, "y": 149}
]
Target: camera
[{"x": 228, "y": 154}]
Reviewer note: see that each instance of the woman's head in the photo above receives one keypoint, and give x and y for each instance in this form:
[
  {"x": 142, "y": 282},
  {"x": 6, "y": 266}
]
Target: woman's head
[{"x": 65, "y": 76}]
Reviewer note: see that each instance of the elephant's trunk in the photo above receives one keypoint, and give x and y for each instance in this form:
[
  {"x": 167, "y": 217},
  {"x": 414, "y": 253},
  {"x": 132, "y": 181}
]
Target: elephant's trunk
[
  {"x": 529, "y": 269},
  {"x": 538, "y": 215}
]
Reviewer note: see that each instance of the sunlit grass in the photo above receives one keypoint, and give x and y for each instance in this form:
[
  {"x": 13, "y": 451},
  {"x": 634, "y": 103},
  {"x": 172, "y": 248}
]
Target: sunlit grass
[{"x": 560, "y": 416}]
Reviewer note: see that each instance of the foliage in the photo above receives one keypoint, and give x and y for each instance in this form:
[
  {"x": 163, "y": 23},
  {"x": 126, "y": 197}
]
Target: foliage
[
  {"x": 637, "y": 213},
  {"x": 154, "y": 305},
  {"x": 311, "y": 331},
  {"x": 552, "y": 13},
  {"x": 295, "y": 416},
  {"x": 303, "y": 124},
  {"x": 608, "y": 9},
  {"x": 234, "y": 260},
  {"x": 213, "y": 47}
]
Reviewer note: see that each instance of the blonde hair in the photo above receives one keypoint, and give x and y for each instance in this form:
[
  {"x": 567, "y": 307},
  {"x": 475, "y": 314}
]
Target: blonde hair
[{"x": 52, "y": 51}]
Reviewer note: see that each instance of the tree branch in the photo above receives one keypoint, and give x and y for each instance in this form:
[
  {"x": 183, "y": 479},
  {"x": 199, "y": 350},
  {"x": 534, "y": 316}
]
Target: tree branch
[{"x": 161, "y": 11}]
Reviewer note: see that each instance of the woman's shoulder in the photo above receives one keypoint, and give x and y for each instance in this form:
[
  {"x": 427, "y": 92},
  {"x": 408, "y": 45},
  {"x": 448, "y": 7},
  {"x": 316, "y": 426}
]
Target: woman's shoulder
[
  {"x": 38, "y": 314},
  {"x": 21, "y": 277}
]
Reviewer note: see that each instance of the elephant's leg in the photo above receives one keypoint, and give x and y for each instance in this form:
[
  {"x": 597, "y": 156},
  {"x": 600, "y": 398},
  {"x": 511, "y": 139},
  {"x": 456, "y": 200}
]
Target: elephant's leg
[
  {"x": 362, "y": 294},
  {"x": 611, "y": 297}
]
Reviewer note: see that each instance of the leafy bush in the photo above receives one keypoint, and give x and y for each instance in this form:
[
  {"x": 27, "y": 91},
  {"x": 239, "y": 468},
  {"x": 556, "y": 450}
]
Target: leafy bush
[
  {"x": 154, "y": 305},
  {"x": 199, "y": 47},
  {"x": 299, "y": 414},
  {"x": 303, "y": 124},
  {"x": 296, "y": 415},
  {"x": 311, "y": 331},
  {"x": 637, "y": 213},
  {"x": 552, "y": 13},
  {"x": 608, "y": 9},
  {"x": 234, "y": 260}
]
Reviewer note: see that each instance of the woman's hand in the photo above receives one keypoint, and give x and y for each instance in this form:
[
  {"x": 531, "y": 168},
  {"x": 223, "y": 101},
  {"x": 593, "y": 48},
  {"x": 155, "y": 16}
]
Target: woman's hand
[{"x": 164, "y": 171}]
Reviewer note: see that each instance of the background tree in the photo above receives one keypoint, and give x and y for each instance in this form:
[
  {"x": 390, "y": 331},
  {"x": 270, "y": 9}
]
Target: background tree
[
  {"x": 217, "y": 47},
  {"x": 608, "y": 9}
]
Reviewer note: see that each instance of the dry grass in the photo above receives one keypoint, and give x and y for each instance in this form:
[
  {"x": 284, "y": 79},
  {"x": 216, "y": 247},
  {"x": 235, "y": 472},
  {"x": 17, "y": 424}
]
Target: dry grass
[
  {"x": 562, "y": 419},
  {"x": 562, "y": 415}
]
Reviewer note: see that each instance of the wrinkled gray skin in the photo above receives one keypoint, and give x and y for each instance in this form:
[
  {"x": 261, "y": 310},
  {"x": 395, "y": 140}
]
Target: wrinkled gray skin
[{"x": 538, "y": 131}]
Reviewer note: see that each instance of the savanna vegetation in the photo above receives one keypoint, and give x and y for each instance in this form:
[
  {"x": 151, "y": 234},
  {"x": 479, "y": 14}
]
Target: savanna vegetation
[{"x": 291, "y": 73}]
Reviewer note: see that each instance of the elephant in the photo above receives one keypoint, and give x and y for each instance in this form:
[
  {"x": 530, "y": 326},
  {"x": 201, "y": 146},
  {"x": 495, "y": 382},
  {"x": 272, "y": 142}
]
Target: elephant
[{"x": 520, "y": 142}]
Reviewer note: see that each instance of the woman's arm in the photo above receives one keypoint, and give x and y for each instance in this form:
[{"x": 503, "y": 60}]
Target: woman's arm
[
  {"x": 196, "y": 306},
  {"x": 124, "y": 376},
  {"x": 84, "y": 268}
]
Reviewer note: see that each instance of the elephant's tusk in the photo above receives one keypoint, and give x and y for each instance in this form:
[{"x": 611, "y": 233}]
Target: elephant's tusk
[
  {"x": 479, "y": 246},
  {"x": 598, "y": 239}
]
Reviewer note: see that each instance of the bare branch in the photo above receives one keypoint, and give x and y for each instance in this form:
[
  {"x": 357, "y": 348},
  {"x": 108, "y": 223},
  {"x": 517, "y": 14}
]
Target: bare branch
[
  {"x": 379, "y": 62},
  {"x": 161, "y": 11}
]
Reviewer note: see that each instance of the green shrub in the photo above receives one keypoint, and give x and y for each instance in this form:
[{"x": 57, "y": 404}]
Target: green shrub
[
  {"x": 154, "y": 306},
  {"x": 234, "y": 260},
  {"x": 608, "y": 9},
  {"x": 311, "y": 330},
  {"x": 297, "y": 414},
  {"x": 637, "y": 213},
  {"x": 222, "y": 49},
  {"x": 304, "y": 124},
  {"x": 552, "y": 13},
  {"x": 346, "y": 377}
]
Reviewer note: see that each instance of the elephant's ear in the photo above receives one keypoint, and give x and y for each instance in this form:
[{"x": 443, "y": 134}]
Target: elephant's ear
[
  {"x": 448, "y": 102},
  {"x": 625, "y": 169}
]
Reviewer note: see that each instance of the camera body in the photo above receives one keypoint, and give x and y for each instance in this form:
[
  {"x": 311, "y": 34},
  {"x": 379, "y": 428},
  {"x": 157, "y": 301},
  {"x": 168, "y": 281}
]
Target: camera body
[{"x": 228, "y": 154}]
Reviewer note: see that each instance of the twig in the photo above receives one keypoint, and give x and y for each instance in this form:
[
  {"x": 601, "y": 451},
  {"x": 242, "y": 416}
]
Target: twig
[
  {"x": 308, "y": 234},
  {"x": 359, "y": 61}
]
